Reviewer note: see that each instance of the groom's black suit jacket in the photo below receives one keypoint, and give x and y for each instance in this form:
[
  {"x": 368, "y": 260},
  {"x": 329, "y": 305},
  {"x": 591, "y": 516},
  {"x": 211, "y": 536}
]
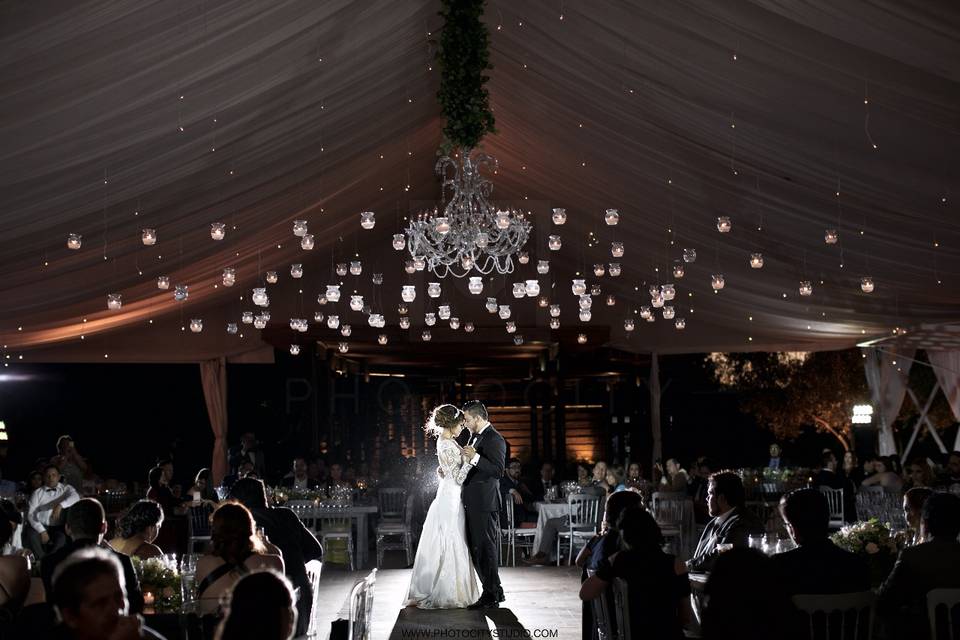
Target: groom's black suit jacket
[{"x": 481, "y": 488}]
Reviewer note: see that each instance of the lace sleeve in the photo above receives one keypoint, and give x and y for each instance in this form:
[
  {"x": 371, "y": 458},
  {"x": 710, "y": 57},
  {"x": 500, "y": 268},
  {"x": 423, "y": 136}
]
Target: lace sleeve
[{"x": 452, "y": 464}]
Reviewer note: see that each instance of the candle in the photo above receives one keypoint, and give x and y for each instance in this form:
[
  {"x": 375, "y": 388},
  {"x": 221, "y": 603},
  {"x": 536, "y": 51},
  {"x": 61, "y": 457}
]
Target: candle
[{"x": 148, "y": 598}]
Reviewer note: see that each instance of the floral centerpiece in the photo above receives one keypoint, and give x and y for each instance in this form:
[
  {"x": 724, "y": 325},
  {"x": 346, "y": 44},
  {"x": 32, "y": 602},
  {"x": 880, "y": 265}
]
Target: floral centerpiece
[
  {"x": 282, "y": 495},
  {"x": 160, "y": 584},
  {"x": 874, "y": 542}
]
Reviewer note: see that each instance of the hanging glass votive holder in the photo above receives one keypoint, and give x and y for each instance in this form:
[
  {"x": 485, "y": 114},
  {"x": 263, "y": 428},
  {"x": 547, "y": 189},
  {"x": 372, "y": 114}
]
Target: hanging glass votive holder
[
  {"x": 356, "y": 303},
  {"x": 483, "y": 239},
  {"x": 585, "y": 302},
  {"x": 629, "y": 325},
  {"x": 543, "y": 302},
  {"x": 582, "y": 338},
  {"x": 668, "y": 291},
  {"x": 232, "y": 328},
  {"x": 689, "y": 255},
  {"x": 441, "y": 225},
  {"x": 454, "y": 323},
  {"x": 382, "y": 339},
  {"x": 756, "y": 260},
  {"x": 294, "y": 349},
  {"x": 377, "y": 279},
  {"x": 368, "y": 220},
  {"x": 599, "y": 270},
  {"x": 476, "y": 285},
  {"x": 503, "y": 220},
  {"x": 399, "y": 242},
  {"x": 543, "y": 267},
  {"x": 519, "y": 290},
  {"x": 611, "y": 217},
  {"x": 657, "y": 301},
  {"x": 585, "y": 315},
  {"x": 806, "y": 288},
  {"x": 554, "y": 323},
  {"x": 114, "y": 301},
  {"x": 443, "y": 312},
  {"x": 196, "y": 325},
  {"x": 299, "y": 228},
  {"x": 434, "y": 290},
  {"x": 246, "y": 317},
  {"x": 616, "y": 249},
  {"x": 343, "y": 347},
  {"x": 554, "y": 243},
  {"x": 466, "y": 262},
  {"x": 307, "y": 242},
  {"x": 830, "y": 236},
  {"x": 181, "y": 292},
  {"x": 523, "y": 257},
  {"x": 296, "y": 270},
  {"x": 430, "y": 319},
  {"x": 419, "y": 263},
  {"x": 218, "y": 230},
  {"x": 554, "y": 311},
  {"x": 532, "y": 288},
  {"x": 680, "y": 324},
  {"x": 259, "y": 322},
  {"x": 271, "y": 277},
  {"x": 518, "y": 339},
  {"x": 341, "y": 269},
  {"x": 595, "y": 290},
  {"x": 504, "y": 311},
  {"x": 717, "y": 281},
  {"x": 866, "y": 284},
  {"x": 491, "y": 305},
  {"x": 322, "y": 299},
  {"x": 645, "y": 312},
  {"x": 333, "y": 322},
  {"x": 318, "y": 316},
  {"x": 149, "y": 237},
  {"x": 678, "y": 271},
  {"x": 409, "y": 267},
  {"x": 723, "y": 224},
  {"x": 404, "y": 322},
  {"x": 468, "y": 327},
  {"x": 426, "y": 336},
  {"x": 163, "y": 282},
  {"x": 559, "y": 216},
  {"x": 346, "y": 330},
  {"x": 668, "y": 313},
  {"x": 74, "y": 240},
  {"x": 611, "y": 300},
  {"x": 511, "y": 326},
  {"x": 229, "y": 277},
  {"x": 403, "y": 309},
  {"x": 356, "y": 268},
  {"x": 333, "y": 293},
  {"x": 579, "y": 287},
  {"x": 614, "y": 269}
]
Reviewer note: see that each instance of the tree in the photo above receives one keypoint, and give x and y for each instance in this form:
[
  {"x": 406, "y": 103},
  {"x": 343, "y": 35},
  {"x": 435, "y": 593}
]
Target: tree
[{"x": 789, "y": 391}]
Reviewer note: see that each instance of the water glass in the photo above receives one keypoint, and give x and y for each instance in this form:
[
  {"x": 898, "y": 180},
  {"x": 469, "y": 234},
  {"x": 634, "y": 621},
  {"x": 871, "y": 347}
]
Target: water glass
[
  {"x": 170, "y": 559},
  {"x": 188, "y": 584},
  {"x": 755, "y": 542}
]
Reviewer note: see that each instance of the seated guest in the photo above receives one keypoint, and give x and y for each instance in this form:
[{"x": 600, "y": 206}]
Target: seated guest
[
  {"x": 827, "y": 476},
  {"x": 248, "y": 451},
  {"x": 675, "y": 479},
  {"x": 852, "y": 470},
  {"x": 236, "y": 551},
  {"x": 635, "y": 475},
  {"x": 34, "y": 482},
  {"x": 884, "y": 475},
  {"x": 913, "y": 501},
  {"x": 71, "y": 464},
  {"x": 583, "y": 476},
  {"x": 261, "y": 607},
  {"x": 336, "y": 480},
  {"x": 317, "y": 471},
  {"x": 86, "y": 525},
  {"x": 14, "y": 544},
  {"x": 776, "y": 461},
  {"x": 658, "y": 588},
  {"x": 159, "y": 479},
  {"x": 244, "y": 470},
  {"x": 614, "y": 479},
  {"x": 14, "y": 576},
  {"x": 744, "y": 601},
  {"x": 45, "y": 513},
  {"x": 298, "y": 478},
  {"x": 514, "y": 493},
  {"x": 951, "y": 474},
  {"x": 932, "y": 564},
  {"x": 600, "y": 474},
  {"x": 284, "y": 529},
  {"x": 816, "y": 565},
  {"x": 918, "y": 474},
  {"x": 89, "y": 594},
  {"x": 138, "y": 528},
  {"x": 544, "y": 483},
  {"x": 731, "y": 522},
  {"x": 202, "y": 491}
]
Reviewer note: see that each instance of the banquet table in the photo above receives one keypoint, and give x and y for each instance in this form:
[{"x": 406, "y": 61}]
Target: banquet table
[{"x": 357, "y": 512}]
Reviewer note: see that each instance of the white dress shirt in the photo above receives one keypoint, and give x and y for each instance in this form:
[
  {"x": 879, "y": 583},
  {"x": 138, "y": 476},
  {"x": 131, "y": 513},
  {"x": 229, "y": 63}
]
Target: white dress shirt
[
  {"x": 43, "y": 500},
  {"x": 476, "y": 436}
]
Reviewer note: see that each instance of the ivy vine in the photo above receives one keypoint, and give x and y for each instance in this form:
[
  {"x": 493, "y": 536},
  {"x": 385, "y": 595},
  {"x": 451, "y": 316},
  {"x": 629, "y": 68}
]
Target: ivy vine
[{"x": 463, "y": 57}]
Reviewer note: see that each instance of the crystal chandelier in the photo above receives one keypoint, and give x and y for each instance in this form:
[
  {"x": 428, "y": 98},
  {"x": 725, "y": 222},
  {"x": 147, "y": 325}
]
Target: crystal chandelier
[{"x": 470, "y": 234}]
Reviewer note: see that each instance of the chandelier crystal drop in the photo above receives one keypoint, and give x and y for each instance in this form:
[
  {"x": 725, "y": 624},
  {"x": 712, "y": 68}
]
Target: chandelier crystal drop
[
  {"x": 470, "y": 233},
  {"x": 74, "y": 240},
  {"x": 559, "y": 216}
]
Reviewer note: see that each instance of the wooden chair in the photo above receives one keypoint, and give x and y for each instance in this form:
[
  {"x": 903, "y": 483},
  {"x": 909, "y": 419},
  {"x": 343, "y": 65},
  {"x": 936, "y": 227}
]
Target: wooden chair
[
  {"x": 314, "y": 569},
  {"x": 582, "y": 523},
  {"x": 514, "y": 537},
  {"x": 621, "y": 604},
  {"x": 842, "y": 616},
  {"x": 396, "y": 534},
  {"x": 947, "y": 598},
  {"x": 361, "y": 608},
  {"x": 835, "y": 503}
]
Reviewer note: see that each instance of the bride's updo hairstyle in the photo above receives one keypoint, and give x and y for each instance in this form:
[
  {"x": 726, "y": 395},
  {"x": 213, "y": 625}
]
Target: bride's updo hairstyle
[{"x": 446, "y": 416}]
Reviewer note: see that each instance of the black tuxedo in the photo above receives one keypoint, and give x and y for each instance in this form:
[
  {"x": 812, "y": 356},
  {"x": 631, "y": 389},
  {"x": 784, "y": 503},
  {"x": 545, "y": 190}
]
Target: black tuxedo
[
  {"x": 735, "y": 529},
  {"x": 821, "y": 567},
  {"x": 507, "y": 501},
  {"x": 481, "y": 500}
]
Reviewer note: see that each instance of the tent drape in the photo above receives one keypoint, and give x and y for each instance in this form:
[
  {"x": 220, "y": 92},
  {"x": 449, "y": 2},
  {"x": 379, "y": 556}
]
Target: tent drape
[
  {"x": 946, "y": 366},
  {"x": 213, "y": 374},
  {"x": 887, "y": 372}
]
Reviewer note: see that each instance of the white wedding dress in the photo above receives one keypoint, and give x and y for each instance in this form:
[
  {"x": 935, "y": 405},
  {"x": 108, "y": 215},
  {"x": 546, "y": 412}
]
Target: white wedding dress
[{"x": 443, "y": 575}]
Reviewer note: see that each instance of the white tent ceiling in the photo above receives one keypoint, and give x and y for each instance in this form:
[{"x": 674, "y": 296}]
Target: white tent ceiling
[{"x": 674, "y": 112}]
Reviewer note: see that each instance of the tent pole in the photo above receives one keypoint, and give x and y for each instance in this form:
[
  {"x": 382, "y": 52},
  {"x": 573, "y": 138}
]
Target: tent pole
[{"x": 655, "y": 410}]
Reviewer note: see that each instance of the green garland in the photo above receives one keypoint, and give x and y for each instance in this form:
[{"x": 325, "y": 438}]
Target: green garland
[{"x": 463, "y": 57}]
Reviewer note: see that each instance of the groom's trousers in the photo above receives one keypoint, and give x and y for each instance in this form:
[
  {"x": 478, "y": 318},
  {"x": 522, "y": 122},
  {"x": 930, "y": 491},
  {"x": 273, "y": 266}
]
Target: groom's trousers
[{"x": 483, "y": 532}]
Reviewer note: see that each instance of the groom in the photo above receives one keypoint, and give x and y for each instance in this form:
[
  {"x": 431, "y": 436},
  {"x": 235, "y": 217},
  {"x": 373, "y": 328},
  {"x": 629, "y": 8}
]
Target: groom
[{"x": 486, "y": 453}]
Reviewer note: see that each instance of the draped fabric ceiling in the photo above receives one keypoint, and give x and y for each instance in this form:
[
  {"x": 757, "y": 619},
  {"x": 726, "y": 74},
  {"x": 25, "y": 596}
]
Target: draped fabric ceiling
[{"x": 673, "y": 112}]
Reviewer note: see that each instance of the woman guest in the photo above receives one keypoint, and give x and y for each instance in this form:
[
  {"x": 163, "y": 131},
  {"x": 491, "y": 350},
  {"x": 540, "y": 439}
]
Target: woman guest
[
  {"x": 884, "y": 476},
  {"x": 237, "y": 551},
  {"x": 138, "y": 528},
  {"x": 852, "y": 469},
  {"x": 635, "y": 475},
  {"x": 202, "y": 491},
  {"x": 261, "y": 606},
  {"x": 913, "y": 501},
  {"x": 583, "y": 475},
  {"x": 614, "y": 479},
  {"x": 659, "y": 591}
]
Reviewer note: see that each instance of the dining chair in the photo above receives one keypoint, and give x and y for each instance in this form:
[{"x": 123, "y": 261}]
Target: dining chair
[
  {"x": 835, "y": 503},
  {"x": 581, "y": 524},
  {"x": 621, "y": 605},
  {"x": 361, "y": 607},
  {"x": 842, "y": 616},
  {"x": 949, "y": 599}
]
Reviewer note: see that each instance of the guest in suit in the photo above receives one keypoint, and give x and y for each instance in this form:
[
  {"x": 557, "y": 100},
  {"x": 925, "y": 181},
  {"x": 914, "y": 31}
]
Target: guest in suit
[
  {"x": 731, "y": 524},
  {"x": 776, "y": 457},
  {"x": 86, "y": 525},
  {"x": 675, "y": 479},
  {"x": 249, "y": 449},
  {"x": 827, "y": 476},
  {"x": 284, "y": 529},
  {"x": 514, "y": 493},
  {"x": 913, "y": 501},
  {"x": 816, "y": 565},
  {"x": 933, "y": 564},
  {"x": 298, "y": 478},
  {"x": 543, "y": 484}
]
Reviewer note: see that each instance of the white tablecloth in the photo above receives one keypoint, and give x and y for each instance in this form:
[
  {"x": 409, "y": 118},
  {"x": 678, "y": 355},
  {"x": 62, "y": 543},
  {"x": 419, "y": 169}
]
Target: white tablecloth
[{"x": 547, "y": 510}]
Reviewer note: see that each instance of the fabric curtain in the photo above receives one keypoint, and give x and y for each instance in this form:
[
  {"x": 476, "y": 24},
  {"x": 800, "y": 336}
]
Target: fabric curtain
[
  {"x": 888, "y": 386},
  {"x": 946, "y": 366},
  {"x": 213, "y": 374}
]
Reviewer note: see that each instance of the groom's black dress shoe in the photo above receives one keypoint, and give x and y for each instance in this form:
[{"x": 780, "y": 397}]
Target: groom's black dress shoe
[{"x": 484, "y": 602}]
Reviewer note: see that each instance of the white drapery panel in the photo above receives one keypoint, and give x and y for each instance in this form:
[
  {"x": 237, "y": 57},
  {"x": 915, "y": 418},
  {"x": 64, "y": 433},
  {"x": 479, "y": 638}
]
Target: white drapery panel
[
  {"x": 946, "y": 366},
  {"x": 887, "y": 373}
]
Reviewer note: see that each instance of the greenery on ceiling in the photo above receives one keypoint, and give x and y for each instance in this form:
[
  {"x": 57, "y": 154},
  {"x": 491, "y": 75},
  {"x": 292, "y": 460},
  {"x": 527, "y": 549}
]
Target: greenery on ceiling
[{"x": 463, "y": 57}]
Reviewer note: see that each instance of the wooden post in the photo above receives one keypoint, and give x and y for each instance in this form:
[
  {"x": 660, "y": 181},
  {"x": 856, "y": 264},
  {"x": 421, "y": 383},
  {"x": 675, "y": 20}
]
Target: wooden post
[{"x": 655, "y": 409}]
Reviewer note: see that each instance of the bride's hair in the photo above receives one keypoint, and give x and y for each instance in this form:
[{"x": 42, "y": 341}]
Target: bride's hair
[{"x": 446, "y": 416}]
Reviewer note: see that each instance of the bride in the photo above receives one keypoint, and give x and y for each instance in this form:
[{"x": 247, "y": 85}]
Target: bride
[{"x": 443, "y": 575}]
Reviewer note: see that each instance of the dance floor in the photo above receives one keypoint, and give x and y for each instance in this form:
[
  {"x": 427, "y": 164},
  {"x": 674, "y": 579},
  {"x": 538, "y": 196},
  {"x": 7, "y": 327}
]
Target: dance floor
[{"x": 541, "y": 603}]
